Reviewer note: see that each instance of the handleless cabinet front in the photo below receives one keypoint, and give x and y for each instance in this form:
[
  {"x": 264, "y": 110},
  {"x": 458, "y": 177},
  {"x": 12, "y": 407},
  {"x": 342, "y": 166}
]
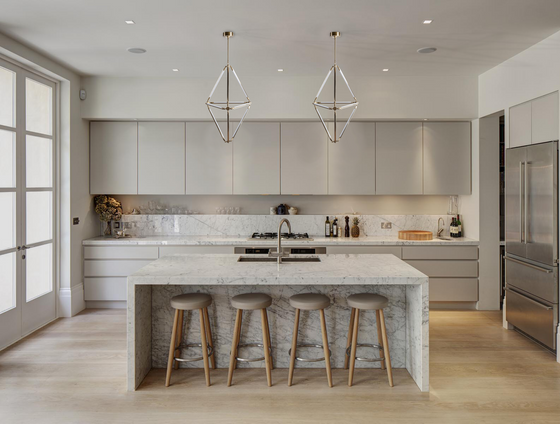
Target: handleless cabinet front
[
  {"x": 256, "y": 159},
  {"x": 520, "y": 125},
  {"x": 544, "y": 114}
]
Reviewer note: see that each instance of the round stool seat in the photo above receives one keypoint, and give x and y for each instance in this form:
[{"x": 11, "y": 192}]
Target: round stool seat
[
  {"x": 310, "y": 301},
  {"x": 367, "y": 301},
  {"x": 251, "y": 301},
  {"x": 191, "y": 301}
]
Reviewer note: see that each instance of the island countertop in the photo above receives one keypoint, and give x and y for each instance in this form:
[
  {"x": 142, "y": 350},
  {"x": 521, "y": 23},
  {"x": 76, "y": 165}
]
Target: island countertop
[{"x": 224, "y": 269}]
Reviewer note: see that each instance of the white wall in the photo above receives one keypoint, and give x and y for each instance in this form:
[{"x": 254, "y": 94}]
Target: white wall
[
  {"x": 469, "y": 206},
  {"x": 285, "y": 97},
  {"x": 75, "y": 199}
]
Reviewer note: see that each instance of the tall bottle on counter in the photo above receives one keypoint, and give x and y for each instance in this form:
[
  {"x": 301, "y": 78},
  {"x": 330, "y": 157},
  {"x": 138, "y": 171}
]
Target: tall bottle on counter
[
  {"x": 327, "y": 228},
  {"x": 459, "y": 227},
  {"x": 347, "y": 227},
  {"x": 452, "y": 228},
  {"x": 335, "y": 227}
]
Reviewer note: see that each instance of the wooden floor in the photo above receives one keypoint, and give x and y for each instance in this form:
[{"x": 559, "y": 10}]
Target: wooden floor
[{"x": 74, "y": 371}]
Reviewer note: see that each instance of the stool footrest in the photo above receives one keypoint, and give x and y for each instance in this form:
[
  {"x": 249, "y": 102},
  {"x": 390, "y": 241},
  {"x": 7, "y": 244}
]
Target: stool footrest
[
  {"x": 209, "y": 348},
  {"x": 375, "y": 346},
  {"x": 240, "y": 359},
  {"x": 317, "y": 346}
]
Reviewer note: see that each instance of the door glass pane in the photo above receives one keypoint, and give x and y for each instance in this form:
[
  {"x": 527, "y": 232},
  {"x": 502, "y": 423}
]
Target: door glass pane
[
  {"x": 7, "y": 221},
  {"x": 38, "y": 165},
  {"x": 7, "y": 281},
  {"x": 7, "y": 158},
  {"x": 38, "y": 216},
  {"x": 38, "y": 107},
  {"x": 38, "y": 271},
  {"x": 7, "y": 97}
]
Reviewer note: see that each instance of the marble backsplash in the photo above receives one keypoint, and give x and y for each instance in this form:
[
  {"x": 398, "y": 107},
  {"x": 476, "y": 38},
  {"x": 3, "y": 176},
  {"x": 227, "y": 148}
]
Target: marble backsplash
[{"x": 245, "y": 225}]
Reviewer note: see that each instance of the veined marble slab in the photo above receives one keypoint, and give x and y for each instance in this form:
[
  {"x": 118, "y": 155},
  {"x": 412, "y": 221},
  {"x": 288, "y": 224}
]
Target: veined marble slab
[{"x": 337, "y": 276}]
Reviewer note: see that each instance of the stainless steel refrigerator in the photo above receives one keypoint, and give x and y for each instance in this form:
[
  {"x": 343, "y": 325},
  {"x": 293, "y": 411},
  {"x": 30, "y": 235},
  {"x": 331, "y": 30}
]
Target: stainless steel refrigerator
[{"x": 532, "y": 241}]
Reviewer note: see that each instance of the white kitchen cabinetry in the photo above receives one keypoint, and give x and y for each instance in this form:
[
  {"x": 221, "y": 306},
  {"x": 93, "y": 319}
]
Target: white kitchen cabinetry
[
  {"x": 398, "y": 158},
  {"x": 352, "y": 160},
  {"x": 544, "y": 114},
  {"x": 447, "y": 158},
  {"x": 161, "y": 158},
  {"x": 209, "y": 160},
  {"x": 113, "y": 158},
  {"x": 520, "y": 125},
  {"x": 256, "y": 159},
  {"x": 304, "y": 158}
]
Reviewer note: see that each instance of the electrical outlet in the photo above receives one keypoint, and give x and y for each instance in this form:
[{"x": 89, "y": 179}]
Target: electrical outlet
[
  {"x": 117, "y": 225},
  {"x": 127, "y": 225},
  {"x": 75, "y": 221},
  {"x": 386, "y": 225}
]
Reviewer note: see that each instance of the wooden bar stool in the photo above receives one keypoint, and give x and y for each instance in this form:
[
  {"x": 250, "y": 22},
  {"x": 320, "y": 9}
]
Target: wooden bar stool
[
  {"x": 190, "y": 302},
  {"x": 310, "y": 302},
  {"x": 251, "y": 302},
  {"x": 367, "y": 302}
]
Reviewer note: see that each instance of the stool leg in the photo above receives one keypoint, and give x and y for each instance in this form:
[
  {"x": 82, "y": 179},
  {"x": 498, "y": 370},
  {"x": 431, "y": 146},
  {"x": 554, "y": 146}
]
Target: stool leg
[
  {"x": 234, "y": 343},
  {"x": 269, "y": 338},
  {"x": 266, "y": 348},
  {"x": 179, "y": 338},
  {"x": 294, "y": 347},
  {"x": 209, "y": 337},
  {"x": 386, "y": 348},
  {"x": 380, "y": 339},
  {"x": 353, "y": 350},
  {"x": 172, "y": 348},
  {"x": 238, "y": 337},
  {"x": 326, "y": 347},
  {"x": 349, "y": 342},
  {"x": 204, "y": 343}
]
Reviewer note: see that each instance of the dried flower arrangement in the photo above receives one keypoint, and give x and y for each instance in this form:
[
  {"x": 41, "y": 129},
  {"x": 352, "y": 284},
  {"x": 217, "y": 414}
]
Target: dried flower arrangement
[{"x": 108, "y": 209}]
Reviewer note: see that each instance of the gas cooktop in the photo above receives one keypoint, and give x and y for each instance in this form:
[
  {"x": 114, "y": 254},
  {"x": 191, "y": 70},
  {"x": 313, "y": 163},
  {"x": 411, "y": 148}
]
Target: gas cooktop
[{"x": 284, "y": 236}]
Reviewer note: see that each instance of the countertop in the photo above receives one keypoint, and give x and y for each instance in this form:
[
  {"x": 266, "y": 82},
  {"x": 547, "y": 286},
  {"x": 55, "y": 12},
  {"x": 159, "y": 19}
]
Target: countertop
[
  {"x": 242, "y": 241},
  {"x": 211, "y": 269}
]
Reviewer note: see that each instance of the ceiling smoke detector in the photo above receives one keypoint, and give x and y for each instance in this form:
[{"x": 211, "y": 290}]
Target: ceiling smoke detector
[{"x": 426, "y": 50}]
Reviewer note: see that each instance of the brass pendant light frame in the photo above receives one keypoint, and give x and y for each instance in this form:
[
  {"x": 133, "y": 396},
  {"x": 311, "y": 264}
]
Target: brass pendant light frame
[
  {"x": 335, "y": 105},
  {"x": 228, "y": 105}
]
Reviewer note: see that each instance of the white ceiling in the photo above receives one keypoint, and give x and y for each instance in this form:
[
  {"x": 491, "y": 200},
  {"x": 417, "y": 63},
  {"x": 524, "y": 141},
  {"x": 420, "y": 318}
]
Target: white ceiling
[{"x": 91, "y": 37}]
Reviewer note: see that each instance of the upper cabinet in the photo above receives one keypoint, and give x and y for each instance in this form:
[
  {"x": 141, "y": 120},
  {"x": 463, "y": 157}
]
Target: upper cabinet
[
  {"x": 161, "y": 158},
  {"x": 256, "y": 159},
  {"x": 352, "y": 160},
  {"x": 113, "y": 158},
  {"x": 398, "y": 158},
  {"x": 304, "y": 158},
  {"x": 447, "y": 158},
  {"x": 544, "y": 113},
  {"x": 209, "y": 160},
  {"x": 520, "y": 125}
]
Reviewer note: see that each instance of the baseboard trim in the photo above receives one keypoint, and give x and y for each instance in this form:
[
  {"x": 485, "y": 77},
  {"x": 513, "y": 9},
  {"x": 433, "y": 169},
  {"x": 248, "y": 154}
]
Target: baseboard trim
[
  {"x": 453, "y": 306},
  {"x": 71, "y": 300},
  {"x": 106, "y": 304}
]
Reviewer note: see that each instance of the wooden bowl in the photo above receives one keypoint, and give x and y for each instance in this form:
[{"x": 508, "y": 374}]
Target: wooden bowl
[{"x": 415, "y": 235}]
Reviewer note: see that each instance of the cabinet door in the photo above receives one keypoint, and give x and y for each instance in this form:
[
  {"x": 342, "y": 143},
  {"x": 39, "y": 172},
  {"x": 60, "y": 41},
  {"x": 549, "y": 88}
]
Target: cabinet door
[
  {"x": 113, "y": 158},
  {"x": 209, "y": 160},
  {"x": 161, "y": 158},
  {"x": 304, "y": 158},
  {"x": 256, "y": 159},
  {"x": 520, "y": 125},
  {"x": 398, "y": 158},
  {"x": 352, "y": 160},
  {"x": 544, "y": 125},
  {"x": 447, "y": 158}
]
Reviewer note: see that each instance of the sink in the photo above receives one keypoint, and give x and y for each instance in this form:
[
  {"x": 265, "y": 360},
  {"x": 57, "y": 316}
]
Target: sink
[{"x": 269, "y": 259}]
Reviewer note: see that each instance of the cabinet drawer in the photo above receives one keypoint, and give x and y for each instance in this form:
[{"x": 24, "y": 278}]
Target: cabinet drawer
[
  {"x": 173, "y": 250},
  {"x": 107, "y": 288},
  {"x": 351, "y": 250},
  {"x": 440, "y": 252},
  {"x": 446, "y": 268},
  {"x": 453, "y": 289},
  {"x": 112, "y": 268},
  {"x": 120, "y": 252}
]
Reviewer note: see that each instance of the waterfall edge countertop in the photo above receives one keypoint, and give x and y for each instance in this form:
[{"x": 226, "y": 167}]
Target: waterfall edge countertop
[{"x": 243, "y": 241}]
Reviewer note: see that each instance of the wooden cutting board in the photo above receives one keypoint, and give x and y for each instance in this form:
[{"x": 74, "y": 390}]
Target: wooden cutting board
[{"x": 416, "y": 235}]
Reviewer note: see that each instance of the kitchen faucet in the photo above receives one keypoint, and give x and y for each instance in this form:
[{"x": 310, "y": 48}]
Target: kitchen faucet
[
  {"x": 279, "y": 253},
  {"x": 440, "y": 230}
]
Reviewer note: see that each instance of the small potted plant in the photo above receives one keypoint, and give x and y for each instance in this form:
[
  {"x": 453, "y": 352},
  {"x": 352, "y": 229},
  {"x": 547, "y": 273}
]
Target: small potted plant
[
  {"x": 355, "y": 231},
  {"x": 108, "y": 209}
]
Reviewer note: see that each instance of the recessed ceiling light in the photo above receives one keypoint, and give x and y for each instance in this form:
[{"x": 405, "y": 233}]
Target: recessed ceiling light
[
  {"x": 136, "y": 50},
  {"x": 425, "y": 119},
  {"x": 280, "y": 70},
  {"x": 175, "y": 70},
  {"x": 386, "y": 70},
  {"x": 129, "y": 22},
  {"x": 427, "y": 22},
  {"x": 426, "y": 50}
]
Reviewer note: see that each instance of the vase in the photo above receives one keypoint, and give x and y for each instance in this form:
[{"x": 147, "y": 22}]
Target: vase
[
  {"x": 355, "y": 232},
  {"x": 107, "y": 231}
]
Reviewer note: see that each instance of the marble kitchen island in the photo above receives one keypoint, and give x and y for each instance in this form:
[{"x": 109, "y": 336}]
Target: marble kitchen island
[{"x": 222, "y": 276}]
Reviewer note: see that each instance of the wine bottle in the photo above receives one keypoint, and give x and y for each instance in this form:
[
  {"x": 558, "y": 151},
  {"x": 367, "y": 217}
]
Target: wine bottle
[
  {"x": 459, "y": 227},
  {"x": 327, "y": 228},
  {"x": 335, "y": 227},
  {"x": 452, "y": 228},
  {"x": 347, "y": 227}
]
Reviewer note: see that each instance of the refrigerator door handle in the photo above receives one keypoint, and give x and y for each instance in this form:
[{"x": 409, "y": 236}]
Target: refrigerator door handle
[
  {"x": 521, "y": 200},
  {"x": 548, "y": 271},
  {"x": 548, "y": 308},
  {"x": 525, "y": 201}
]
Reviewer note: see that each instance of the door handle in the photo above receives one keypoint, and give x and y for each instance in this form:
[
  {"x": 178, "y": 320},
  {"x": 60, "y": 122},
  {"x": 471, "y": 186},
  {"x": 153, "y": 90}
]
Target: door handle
[
  {"x": 548, "y": 271},
  {"x": 525, "y": 233},
  {"x": 548, "y": 308},
  {"x": 521, "y": 200}
]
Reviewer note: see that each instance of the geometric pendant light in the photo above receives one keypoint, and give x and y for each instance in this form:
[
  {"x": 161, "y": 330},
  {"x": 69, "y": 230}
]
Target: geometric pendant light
[
  {"x": 335, "y": 105},
  {"x": 228, "y": 105}
]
